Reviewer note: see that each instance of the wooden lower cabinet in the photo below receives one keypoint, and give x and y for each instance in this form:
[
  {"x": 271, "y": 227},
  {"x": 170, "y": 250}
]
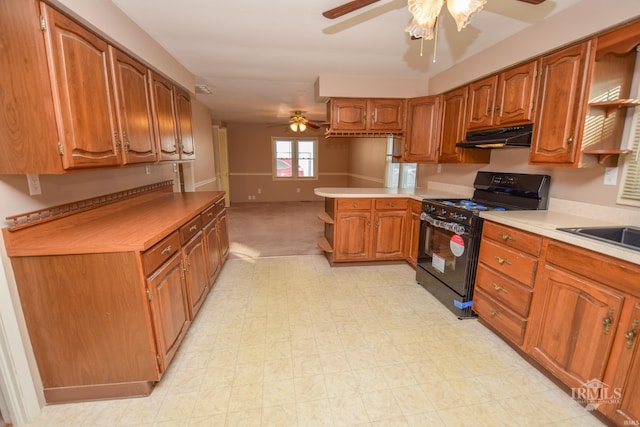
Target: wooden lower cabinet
[
  {"x": 577, "y": 320},
  {"x": 169, "y": 306},
  {"x": 106, "y": 301},
  {"x": 624, "y": 379},
  {"x": 412, "y": 236},
  {"x": 368, "y": 229}
]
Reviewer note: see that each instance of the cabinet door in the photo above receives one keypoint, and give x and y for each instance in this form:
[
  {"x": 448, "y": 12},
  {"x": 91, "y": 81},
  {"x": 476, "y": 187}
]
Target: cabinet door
[
  {"x": 166, "y": 128},
  {"x": 627, "y": 371},
  {"x": 133, "y": 102},
  {"x": 386, "y": 114},
  {"x": 389, "y": 234},
  {"x": 169, "y": 308},
  {"x": 223, "y": 235},
  {"x": 213, "y": 250},
  {"x": 515, "y": 94},
  {"x": 453, "y": 125},
  {"x": 352, "y": 235},
  {"x": 83, "y": 97},
  {"x": 422, "y": 135},
  {"x": 576, "y": 325},
  {"x": 413, "y": 233},
  {"x": 194, "y": 257},
  {"x": 560, "y": 105},
  {"x": 482, "y": 96},
  {"x": 348, "y": 114},
  {"x": 183, "y": 115}
]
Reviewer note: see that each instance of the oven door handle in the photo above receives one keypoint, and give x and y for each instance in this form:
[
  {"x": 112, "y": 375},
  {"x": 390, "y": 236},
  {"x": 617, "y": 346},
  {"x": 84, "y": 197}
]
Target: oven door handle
[{"x": 449, "y": 226}]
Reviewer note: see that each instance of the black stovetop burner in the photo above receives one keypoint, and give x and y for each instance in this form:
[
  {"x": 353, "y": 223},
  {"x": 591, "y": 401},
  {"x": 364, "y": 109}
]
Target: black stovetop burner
[{"x": 471, "y": 205}]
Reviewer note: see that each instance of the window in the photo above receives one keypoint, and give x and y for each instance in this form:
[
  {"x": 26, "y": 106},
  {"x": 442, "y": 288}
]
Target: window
[
  {"x": 398, "y": 175},
  {"x": 294, "y": 158}
]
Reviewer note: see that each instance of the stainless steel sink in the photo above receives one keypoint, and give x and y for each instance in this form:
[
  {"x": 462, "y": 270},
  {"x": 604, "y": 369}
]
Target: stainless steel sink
[{"x": 623, "y": 236}]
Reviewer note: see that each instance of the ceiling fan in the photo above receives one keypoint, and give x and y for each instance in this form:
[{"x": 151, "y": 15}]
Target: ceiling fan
[
  {"x": 425, "y": 13},
  {"x": 299, "y": 123}
]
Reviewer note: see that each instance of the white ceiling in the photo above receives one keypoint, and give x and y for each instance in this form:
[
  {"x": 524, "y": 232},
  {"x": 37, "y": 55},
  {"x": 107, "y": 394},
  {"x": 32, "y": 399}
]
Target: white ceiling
[{"x": 261, "y": 58}]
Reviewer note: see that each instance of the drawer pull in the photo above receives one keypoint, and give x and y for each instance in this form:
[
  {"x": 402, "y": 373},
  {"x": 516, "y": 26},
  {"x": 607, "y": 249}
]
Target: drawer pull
[
  {"x": 193, "y": 227},
  {"x": 607, "y": 321},
  {"x": 630, "y": 335},
  {"x": 498, "y": 288},
  {"x": 354, "y": 205},
  {"x": 166, "y": 250},
  {"x": 493, "y": 313},
  {"x": 210, "y": 214},
  {"x": 392, "y": 205},
  {"x": 506, "y": 237},
  {"x": 502, "y": 261}
]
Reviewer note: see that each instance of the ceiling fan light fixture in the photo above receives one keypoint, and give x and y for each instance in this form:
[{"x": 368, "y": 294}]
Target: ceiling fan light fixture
[{"x": 425, "y": 15}]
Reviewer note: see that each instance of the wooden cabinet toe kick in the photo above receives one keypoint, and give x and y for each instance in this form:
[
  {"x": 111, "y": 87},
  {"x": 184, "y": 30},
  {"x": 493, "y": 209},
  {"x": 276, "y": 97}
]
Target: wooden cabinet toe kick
[{"x": 84, "y": 393}]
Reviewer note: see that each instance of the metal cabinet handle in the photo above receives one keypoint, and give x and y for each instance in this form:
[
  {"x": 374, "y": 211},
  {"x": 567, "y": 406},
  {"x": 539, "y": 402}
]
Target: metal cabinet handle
[
  {"x": 392, "y": 205},
  {"x": 166, "y": 250},
  {"x": 354, "y": 205},
  {"x": 502, "y": 261},
  {"x": 506, "y": 237},
  {"x": 607, "y": 321},
  {"x": 498, "y": 288},
  {"x": 493, "y": 313},
  {"x": 193, "y": 228},
  {"x": 630, "y": 335}
]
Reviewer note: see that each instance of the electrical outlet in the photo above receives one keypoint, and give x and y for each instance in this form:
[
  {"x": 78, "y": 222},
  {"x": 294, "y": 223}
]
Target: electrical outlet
[
  {"x": 610, "y": 176},
  {"x": 249, "y": 196},
  {"x": 33, "y": 181},
  {"x": 297, "y": 190},
  {"x": 439, "y": 168},
  {"x": 147, "y": 170},
  {"x": 259, "y": 190}
]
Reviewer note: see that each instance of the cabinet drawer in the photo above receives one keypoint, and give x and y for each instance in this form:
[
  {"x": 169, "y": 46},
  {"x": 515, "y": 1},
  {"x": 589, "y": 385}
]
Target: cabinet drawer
[
  {"x": 190, "y": 229},
  {"x": 519, "y": 266},
  {"x": 504, "y": 290},
  {"x": 160, "y": 252},
  {"x": 513, "y": 238},
  {"x": 392, "y": 204},
  {"x": 346, "y": 204},
  {"x": 500, "y": 318},
  {"x": 209, "y": 214}
]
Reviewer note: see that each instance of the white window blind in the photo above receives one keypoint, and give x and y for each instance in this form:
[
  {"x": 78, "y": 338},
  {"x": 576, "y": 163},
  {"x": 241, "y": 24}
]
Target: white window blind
[{"x": 630, "y": 189}]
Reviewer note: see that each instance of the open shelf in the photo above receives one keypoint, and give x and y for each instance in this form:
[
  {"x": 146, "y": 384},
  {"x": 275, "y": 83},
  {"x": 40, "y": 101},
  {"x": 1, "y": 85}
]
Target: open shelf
[
  {"x": 604, "y": 155},
  {"x": 610, "y": 106},
  {"x": 324, "y": 217},
  {"x": 323, "y": 244}
]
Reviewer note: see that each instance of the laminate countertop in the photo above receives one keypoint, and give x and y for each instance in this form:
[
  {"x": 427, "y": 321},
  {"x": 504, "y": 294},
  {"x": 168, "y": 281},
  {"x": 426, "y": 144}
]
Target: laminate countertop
[{"x": 545, "y": 223}]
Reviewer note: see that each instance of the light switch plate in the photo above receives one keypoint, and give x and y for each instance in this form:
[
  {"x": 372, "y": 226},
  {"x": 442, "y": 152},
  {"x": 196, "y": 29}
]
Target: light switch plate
[
  {"x": 34, "y": 184},
  {"x": 610, "y": 176}
]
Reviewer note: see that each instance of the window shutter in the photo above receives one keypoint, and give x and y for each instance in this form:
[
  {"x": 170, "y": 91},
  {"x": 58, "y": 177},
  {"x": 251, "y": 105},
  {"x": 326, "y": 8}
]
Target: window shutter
[{"x": 630, "y": 189}]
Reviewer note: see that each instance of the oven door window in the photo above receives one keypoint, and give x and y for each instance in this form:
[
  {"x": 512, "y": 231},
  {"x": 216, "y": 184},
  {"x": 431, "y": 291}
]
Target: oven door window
[{"x": 445, "y": 255}]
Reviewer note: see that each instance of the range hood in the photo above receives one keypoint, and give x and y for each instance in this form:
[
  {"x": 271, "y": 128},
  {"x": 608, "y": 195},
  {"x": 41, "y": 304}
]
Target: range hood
[{"x": 507, "y": 137}]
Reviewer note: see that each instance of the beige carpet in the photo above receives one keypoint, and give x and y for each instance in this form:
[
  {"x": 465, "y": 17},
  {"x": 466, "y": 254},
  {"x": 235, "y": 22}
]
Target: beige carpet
[{"x": 274, "y": 229}]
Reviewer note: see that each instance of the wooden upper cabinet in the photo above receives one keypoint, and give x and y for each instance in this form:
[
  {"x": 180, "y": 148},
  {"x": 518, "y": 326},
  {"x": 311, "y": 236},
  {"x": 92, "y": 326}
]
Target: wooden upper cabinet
[
  {"x": 366, "y": 115},
  {"x": 454, "y": 129},
  {"x": 480, "y": 103},
  {"x": 183, "y": 117},
  {"x": 83, "y": 98},
  {"x": 503, "y": 99},
  {"x": 166, "y": 126},
  {"x": 386, "y": 114},
  {"x": 422, "y": 133},
  {"x": 454, "y": 107},
  {"x": 133, "y": 102},
  {"x": 557, "y": 134},
  {"x": 517, "y": 88}
]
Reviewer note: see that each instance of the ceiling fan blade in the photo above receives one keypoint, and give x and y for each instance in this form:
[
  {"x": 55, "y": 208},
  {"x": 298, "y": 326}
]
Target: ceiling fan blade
[
  {"x": 349, "y": 7},
  {"x": 312, "y": 125},
  {"x": 532, "y": 1}
]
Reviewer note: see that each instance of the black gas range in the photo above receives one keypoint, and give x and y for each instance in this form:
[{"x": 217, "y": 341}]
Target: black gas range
[{"x": 450, "y": 232}]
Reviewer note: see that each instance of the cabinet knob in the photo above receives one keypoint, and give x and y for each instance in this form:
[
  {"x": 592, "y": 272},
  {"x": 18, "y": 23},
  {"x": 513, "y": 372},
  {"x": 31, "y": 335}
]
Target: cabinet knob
[
  {"x": 607, "y": 321},
  {"x": 506, "y": 237},
  {"x": 193, "y": 228},
  {"x": 630, "y": 335},
  {"x": 166, "y": 250}
]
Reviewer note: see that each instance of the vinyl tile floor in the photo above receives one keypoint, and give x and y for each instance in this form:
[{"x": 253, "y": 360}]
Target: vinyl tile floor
[{"x": 290, "y": 341}]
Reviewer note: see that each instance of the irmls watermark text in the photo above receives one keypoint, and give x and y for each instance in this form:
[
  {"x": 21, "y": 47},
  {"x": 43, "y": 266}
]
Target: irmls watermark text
[{"x": 593, "y": 393}]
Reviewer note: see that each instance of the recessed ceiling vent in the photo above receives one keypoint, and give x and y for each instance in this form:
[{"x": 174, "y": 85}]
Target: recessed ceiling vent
[{"x": 202, "y": 88}]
